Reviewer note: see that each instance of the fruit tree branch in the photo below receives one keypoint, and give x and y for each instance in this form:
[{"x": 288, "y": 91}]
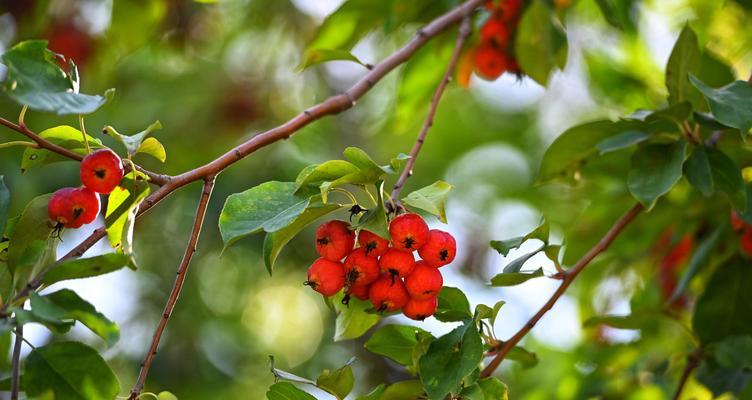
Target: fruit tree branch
[
  {"x": 16, "y": 363},
  {"x": 190, "y": 250},
  {"x": 157, "y": 179},
  {"x": 464, "y": 32},
  {"x": 568, "y": 278}
]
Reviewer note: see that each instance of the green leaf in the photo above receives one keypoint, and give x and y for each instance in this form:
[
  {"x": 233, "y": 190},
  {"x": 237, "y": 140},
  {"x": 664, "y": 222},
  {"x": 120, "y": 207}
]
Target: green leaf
[
  {"x": 540, "y": 42},
  {"x": 698, "y": 171},
  {"x": 404, "y": 390},
  {"x": 339, "y": 382},
  {"x": 4, "y": 204},
  {"x": 483, "y": 311},
  {"x": 504, "y": 246},
  {"x": 721, "y": 380},
  {"x": 33, "y": 226},
  {"x": 700, "y": 259},
  {"x": 526, "y": 358},
  {"x": 287, "y": 391},
  {"x": 430, "y": 199},
  {"x": 493, "y": 389},
  {"x": 421, "y": 347},
  {"x": 374, "y": 394},
  {"x": 352, "y": 321},
  {"x": 655, "y": 170},
  {"x": 731, "y": 105},
  {"x": 635, "y": 320},
  {"x": 284, "y": 375},
  {"x": 375, "y": 220},
  {"x": 515, "y": 278},
  {"x": 453, "y": 305},
  {"x": 326, "y": 172},
  {"x": 450, "y": 359},
  {"x": 64, "y": 136},
  {"x": 728, "y": 178},
  {"x": 684, "y": 60},
  {"x": 317, "y": 56},
  {"x": 621, "y": 141},
  {"x": 516, "y": 265},
  {"x": 267, "y": 207},
  {"x": 154, "y": 148},
  {"x": 35, "y": 79},
  {"x": 274, "y": 242},
  {"x": 67, "y": 305},
  {"x": 618, "y": 13},
  {"x": 134, "y": 143},
  {"x": 122, "y": 207},
  {"x": 395, "y": 341},
  {"x": 87, "y": 267},
  {"x": 472, "y": 392},
  {"x": 734, "y": 352},
  {"x": 165, "y": 395},
  {"x": 71, "y": 371},
  {"x": 722, "y": 310}
]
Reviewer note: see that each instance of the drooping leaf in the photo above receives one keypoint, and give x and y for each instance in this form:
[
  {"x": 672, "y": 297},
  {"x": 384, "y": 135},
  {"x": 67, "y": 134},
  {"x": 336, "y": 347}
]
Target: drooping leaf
[
  {"x": 33, "y": 226},
  {"x": 453, "y": 305},
  {"x": 122, "y": 207},
  {"x": 317, "y": 56},
  {"x": 338, "y": 382},
  {"x": 431, "y": 199},
  {"x": 727, "y": 178},
  {"x": 526, "y": 358},
  {"x": 450, "y": 359},
  {"x": 493, "y": 389},
  {"x": 541, "y": 232},
  {"x": 540, "y": 42},
  {"x": 403, "y": 390},
  {"x": 618, "y": 13},
  {"x": 71, "y": 371},
  {"x": 152, "y": 147},
  {"x": 698, "y": 171},
  {"x": 134, "y": 143},
  {"x": 655, "y": 170},
  {"x": 621, "y": 141},
  {"x": 516, "y": 265},
  {"x": 67, "y": 305},
  {"x": 287, "y": 376},
  {"x": 483, "y": 311},
  {"x": 684, "y": 60},
  {"x": 515, "y": 278},
  {"x": 395, "y": 341},
  {"x": 267, "y": 207},
  {"x": 374, "y": 219},
  {"x": 731, "y": 105},
  {"x": 287, "y": 391},
  {"x": 87, "y": 267},
  {"x": 64, "y": 136},
  {"x": 352, "y": 320},
  {"x": 325, "y": 172}
]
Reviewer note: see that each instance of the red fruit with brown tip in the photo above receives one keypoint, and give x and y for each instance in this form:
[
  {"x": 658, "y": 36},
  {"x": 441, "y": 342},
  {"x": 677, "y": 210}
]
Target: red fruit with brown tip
[
  {"x": 388, "y": 295},
  {"x": 440, "y": 248},
  {"x": 409, "y": 232},
  {"x": 334, "y": 240},
  {"x": 491, "y": 62},
  {"x": 420, "y": 309},
  {"x": 496, "y": 31},
  {"x": 359, "y": 291},
  {"x": 73, "y": 207},
  {"x": 361, "y": 269},
  {"x": 326, "y": 277},
  {"x": 397, "y": 263},
  {"x": 424, "y": 282},
  {"x": 101, "y": 171},
  {"x": 374, "y": 244}
]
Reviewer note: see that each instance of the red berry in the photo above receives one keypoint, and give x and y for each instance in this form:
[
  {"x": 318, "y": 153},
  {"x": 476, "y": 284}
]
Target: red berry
[
  {"x": 420, "y": 309},
  {"x": 101, "y": 171},
  {"x": 360, "y": 291},
  {"x": 397, "y": 263},
  {"x": 409, "y": 232},
  {"x": 497, "y": 31},
  {"x": 361, "y": 269},
  {"x": 440, "y": 248},
  {"x": 374, "y": 244},
  {"x": 424, "y": 282},
  {"x": 747, "y": 241},
  {"x": 510, "y": 9},
  {"x": 334, "y": 240},
  {"x": 737, "y": 223},
  {"x": 491, "y": 62},
  {"x": 326, "y": 277},
  {"x": 387, "y": 294},
  {"x": 73, "y": 207}
]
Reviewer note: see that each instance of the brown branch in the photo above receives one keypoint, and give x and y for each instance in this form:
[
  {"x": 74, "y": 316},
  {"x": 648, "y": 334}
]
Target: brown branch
[
  {"x": 16, "y": 364},
  {"x": 190, "y": 250},
  {"x": 157, "y": 179},
  {"x": 567, "y": 280},
  {"x": 464, "y": 32},
  {"x": 693, "y": 361}
]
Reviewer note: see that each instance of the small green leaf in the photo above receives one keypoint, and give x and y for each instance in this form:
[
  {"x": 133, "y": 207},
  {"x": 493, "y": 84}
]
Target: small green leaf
[
  {"x": 287, "y": 376},
  {"x": 728, "y": 178},
  {"x": 287, "y": 391},
  {"x": 731, "y": 105},
  {"x": 4, "y": 204},
  {"x": 526, "y": 358},
  {"x": 122, "y": 206},
  {"x": 516, "y": 265},
  {"x": 621, "y": 141},
  {"x": 395, "y": 341},
  {"x": 71, "y": 371},
  {"x": 493, "y": 389},
  {"x": 483, "y": 311},
  {"x": 133, "y": 143},
  {"x": 339, "y": 382},
  {"x": 734, "y": 352},
  {"x": 165, "y": 395},
  {"x": 403, "y": 390},
  {"x": 267, "y": 207},
  {"x": 64, "y": 136},
  {"x": 72, "y": 307},
  {"x": 87, "y": 267},
  {"x": 540, "y": 42},
  {"x": 352, "y": 321},
  {"x": 453, "y": 305},
  {"x": 450, "y": 359},
  {"x": 515, "y": 278},
  {"x": 655, "y": 170},
  {"x": 317, "y": 56},
  {"x": 430, "y": 199},
  {"x": 618, "y": 13},
  {"x": 504, "y": 246},
  {"x": 375, "y": 220},
  {"x": 154, "y": 148},
  {"x": 698, "y": 171},
  {"x": 684, "y": 60},
  {"x": 326, "y": 172},
  {"x": 33, "y": 225},
  {"x": 374, "y": 394},
  {"x": 635, "y": 320}
]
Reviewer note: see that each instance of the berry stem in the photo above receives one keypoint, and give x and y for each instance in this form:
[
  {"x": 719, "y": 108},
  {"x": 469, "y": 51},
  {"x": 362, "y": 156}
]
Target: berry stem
[
  {"x": 567, "y": 280},
  {"x": 464, "y": 32},
  {"x": 16, "y": 363},
  {"x": 83, "y": 132}
]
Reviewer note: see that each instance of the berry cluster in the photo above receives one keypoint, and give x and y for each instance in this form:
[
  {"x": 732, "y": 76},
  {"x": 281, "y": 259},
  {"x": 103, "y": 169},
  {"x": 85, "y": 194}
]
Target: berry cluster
[
  {"x": 495, "y": 54},
  {"x": 384, "y": 272},
  {"x": 744, "y": 229},
  {"x": 101, "y": 172}
]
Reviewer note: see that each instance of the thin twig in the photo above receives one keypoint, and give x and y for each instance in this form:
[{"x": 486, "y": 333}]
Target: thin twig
[
  {"x": 464, "y": 32},
  {"x": 567, "y": 280},
  {"x": 19, "y": 143},
  {"x": 190, "y": 249},
  {"x": 693, "y": 360},
  {"x": 15, "y": 385}
]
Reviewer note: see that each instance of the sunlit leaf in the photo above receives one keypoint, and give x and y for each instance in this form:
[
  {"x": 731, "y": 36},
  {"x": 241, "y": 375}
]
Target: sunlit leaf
[{"x": 431, "y": 199}]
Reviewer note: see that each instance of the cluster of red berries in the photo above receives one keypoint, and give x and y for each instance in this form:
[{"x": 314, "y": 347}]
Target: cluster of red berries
[
  {"x": 744, "y": 229},
  {"x": 495, "y": 53},
  {"x": 384, "y": 272},
  {"x": 101, "y": 172}
]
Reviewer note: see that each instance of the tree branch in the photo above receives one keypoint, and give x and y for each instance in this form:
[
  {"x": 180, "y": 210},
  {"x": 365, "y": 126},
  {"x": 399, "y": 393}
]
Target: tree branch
[
  {"x": 567, "y": 280},
  {"x": 157, "y": 179},
  {"x": 693, "y": 361},
  {"x": 16, "y": 364},
  {"x": 190, "y": 249},
  {"x": 464, "y": 32}
]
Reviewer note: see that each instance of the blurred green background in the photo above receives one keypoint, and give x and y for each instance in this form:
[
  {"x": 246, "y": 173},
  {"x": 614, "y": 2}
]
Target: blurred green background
[{"x": 217, "y": 72}]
